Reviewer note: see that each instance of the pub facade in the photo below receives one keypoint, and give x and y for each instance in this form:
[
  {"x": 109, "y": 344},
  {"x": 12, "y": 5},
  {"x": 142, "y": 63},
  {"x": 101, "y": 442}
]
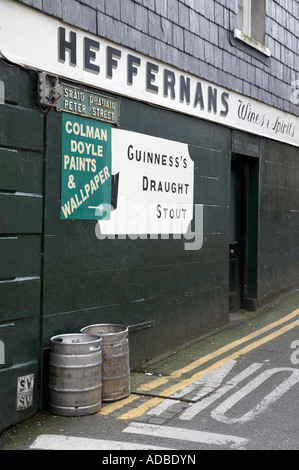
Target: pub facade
[{"x": 149, "y": 173}]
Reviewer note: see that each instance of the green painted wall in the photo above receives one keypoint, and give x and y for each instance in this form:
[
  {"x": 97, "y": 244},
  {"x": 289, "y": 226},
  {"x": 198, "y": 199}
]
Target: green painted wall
[
  {"x": 21, "y": 214},
  {"x": 57, "y": 277},
  {"x": 279, "y": 219},
  {"x": 181, "y": 293}
]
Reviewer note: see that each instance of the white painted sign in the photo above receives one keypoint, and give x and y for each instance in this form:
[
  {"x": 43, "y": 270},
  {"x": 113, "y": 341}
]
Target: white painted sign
[
  {"x": 152, "y": 186},
  {"x": 31, "y": 38}
]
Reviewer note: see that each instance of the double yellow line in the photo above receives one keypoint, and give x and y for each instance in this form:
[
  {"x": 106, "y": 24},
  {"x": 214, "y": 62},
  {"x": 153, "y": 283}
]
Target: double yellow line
[{"x": 140, "y": 410}]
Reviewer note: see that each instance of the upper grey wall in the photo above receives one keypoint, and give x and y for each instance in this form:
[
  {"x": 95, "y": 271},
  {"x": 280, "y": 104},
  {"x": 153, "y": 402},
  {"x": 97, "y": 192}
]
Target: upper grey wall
[{"x": 197, "y": 36}]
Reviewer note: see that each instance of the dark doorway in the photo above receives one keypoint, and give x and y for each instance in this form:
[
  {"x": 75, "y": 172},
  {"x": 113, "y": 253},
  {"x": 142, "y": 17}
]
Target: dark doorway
[
  {"x": 243, "y": 225},
  {"x": 236, "y": 240}
]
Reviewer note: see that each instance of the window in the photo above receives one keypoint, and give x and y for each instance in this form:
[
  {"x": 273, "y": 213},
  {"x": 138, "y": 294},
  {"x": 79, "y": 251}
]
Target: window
[
  {"x": 244, "y": 16},
  {"x": 252, "y": 24}
]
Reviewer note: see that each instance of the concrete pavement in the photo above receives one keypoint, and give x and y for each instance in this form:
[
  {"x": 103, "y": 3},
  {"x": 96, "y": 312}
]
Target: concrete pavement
[{"x": 165, "y": 390}]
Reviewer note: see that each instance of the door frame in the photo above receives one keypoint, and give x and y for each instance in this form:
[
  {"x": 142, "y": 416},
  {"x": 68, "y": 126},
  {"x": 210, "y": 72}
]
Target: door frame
[
  {"x": 247, "y": 207},
  {"x": 237, "y": 233}
]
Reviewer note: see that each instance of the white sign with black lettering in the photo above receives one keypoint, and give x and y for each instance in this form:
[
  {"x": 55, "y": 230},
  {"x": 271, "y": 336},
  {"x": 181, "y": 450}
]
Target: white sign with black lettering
[
  {"x": 152, "y": 186},
  {"x": 33, "y": 39}
]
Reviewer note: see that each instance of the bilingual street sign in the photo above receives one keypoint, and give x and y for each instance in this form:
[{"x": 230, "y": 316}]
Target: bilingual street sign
[
  {"x": 85, "y": 103},
  {"x": 85, "y": 168}
]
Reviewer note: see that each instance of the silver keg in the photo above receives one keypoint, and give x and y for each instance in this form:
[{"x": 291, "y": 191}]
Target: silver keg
[
  {"x": 75, "y": 374},
  {"x": 116, "y": 363}
]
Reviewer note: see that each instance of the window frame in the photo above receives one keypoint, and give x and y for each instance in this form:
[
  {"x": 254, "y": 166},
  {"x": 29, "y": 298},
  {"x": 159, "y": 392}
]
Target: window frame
[{"x": 244, "y": 30}]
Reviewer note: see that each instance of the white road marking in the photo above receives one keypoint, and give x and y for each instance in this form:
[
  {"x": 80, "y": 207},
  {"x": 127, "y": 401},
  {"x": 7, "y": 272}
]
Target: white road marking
[
  {"x": 57, "y": 442},
  {"x": 206, "y": 385},
  {"x": 196, "y": 408},
  {"x": 162, "y": 407},
  {"x": 275, "y": 394},
  {"x": 209, "y": 382},
  {"x": 187, "y": 435}
]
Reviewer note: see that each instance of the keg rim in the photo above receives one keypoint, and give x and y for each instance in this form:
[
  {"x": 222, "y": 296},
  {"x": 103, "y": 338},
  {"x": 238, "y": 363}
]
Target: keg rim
[
  {"x": 124, "y": 328},
  {"x": 93, "y": 338}
]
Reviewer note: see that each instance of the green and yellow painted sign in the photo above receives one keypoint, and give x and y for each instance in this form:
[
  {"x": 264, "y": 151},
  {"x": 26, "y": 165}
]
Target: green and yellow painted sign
[{"x": 85, "y": 168}]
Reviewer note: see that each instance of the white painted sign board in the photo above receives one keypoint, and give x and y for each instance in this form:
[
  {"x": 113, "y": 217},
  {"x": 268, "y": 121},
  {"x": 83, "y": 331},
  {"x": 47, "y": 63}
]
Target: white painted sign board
[
  {"x": 152, "y": 181},
  {"x": 34, "y": 39}
]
